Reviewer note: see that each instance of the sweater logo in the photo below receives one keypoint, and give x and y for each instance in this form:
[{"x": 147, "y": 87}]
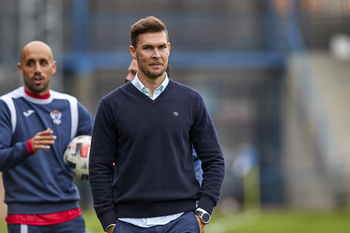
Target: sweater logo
[
  {"x": 56, "y": 117},
  {"x": 176, "y": 113}
]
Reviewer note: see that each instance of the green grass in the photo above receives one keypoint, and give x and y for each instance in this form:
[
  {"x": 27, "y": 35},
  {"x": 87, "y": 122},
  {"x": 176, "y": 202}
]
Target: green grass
[
  {"x": 3, "y": 227},
  {"x": 92, "y": 223},
  {"x": 281, "y": 221},
  {"x": 276, "y": 221}
]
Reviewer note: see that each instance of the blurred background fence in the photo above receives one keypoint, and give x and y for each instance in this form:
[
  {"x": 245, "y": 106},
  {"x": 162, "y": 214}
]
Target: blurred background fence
[{"x": 274, "y": 74}]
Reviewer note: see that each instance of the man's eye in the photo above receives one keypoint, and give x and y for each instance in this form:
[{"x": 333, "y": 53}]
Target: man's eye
[{"x": 43, "y": 63}]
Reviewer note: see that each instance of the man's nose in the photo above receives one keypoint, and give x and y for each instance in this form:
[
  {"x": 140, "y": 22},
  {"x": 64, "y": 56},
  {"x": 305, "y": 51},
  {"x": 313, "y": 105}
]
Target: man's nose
[
  {"x": 37, "y": 68},
  {"x": 156, "y": 53}
]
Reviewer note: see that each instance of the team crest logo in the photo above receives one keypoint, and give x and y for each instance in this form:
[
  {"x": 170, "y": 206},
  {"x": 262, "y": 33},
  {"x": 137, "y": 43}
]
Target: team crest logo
[{"x": 56, "y": 117}]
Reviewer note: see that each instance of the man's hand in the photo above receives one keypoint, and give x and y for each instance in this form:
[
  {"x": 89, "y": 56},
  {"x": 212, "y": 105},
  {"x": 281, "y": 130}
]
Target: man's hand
[
  {"x": 110, "y": 229},
  {"x": 43, "y": 140},
  {"x": 201, "y": 225}
]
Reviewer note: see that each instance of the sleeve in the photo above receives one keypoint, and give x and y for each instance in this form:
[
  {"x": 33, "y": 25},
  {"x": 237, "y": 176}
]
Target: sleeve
[
  {"x": 206, "y": 143},
  {"x": 102, "y": 152},
  {"x": 197, "y": 166},
  {"x": 10, "y": 156},
  {"x": 85, "y": 122}
]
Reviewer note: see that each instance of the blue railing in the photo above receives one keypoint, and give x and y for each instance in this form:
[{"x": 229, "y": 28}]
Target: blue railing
[{"x": 254, "y": 49}]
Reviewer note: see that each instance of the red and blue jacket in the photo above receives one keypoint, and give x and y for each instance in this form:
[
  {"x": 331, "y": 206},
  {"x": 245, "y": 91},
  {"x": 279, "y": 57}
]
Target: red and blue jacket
[{"x": 39, "y": 183}]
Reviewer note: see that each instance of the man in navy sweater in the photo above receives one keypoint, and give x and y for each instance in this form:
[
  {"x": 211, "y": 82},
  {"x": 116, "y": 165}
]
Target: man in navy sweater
[
  {"x": 147, "y": 128},
  {"x": 132, "y": 71},
  {"x": 36, "y": 125}
]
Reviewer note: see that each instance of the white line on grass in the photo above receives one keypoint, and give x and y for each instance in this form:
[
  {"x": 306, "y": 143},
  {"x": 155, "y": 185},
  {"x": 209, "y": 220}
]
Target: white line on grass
[{"x": 233, "y": 221}]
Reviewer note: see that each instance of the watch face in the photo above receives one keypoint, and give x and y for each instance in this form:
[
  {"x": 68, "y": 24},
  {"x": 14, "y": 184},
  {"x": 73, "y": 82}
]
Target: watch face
[{"x": 205, "y": 218}]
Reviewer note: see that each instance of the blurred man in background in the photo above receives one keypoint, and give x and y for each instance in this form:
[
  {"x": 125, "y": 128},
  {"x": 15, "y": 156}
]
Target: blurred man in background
[{"x": 132, "y": 71}]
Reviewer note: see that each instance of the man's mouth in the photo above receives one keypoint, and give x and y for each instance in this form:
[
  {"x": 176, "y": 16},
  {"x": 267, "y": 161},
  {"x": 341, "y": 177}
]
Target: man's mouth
[
  {"x": 38, "y": 79},
  {"x": 156, "y": 64}
]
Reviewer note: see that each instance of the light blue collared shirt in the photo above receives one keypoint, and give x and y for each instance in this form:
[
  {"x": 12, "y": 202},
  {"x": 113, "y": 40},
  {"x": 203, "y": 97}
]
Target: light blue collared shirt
[{"x": 138, "y": 84}]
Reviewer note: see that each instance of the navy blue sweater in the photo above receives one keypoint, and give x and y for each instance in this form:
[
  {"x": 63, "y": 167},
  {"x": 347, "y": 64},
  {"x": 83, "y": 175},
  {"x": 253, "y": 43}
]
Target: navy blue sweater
[{"x": 150, "y": 143}]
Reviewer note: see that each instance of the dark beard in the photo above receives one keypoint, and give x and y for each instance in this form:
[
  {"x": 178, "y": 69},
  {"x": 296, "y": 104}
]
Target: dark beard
[{"x": 36, "y": 89}]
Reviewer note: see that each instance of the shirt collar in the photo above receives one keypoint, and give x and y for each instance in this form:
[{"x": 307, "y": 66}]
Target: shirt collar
[
  {"x": 36, "y": 96},
  {"x": 138, "y": 84}
]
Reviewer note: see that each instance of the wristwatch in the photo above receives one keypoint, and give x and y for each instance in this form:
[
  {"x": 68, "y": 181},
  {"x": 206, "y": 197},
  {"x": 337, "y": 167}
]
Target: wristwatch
[{"x": 204, "y": 216}]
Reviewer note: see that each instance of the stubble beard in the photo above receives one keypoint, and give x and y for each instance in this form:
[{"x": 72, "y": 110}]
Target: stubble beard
[
  {"x": 152, "y": 75},
  {"x": 36, "y": 89}
]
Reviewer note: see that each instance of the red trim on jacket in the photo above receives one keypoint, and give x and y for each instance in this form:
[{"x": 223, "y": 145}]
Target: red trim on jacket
[
  {"x": 45, "y": 96},
  {"x": 29, "y": 146},
  {"x": 43, "y": 219}
]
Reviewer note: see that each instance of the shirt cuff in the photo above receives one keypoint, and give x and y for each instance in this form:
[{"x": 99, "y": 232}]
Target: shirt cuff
[
  {"x": 109, "y": 226},
  {"x": 29, "y": 147}
]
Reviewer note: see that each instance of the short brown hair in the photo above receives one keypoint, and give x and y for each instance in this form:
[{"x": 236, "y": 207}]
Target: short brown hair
[{"x": 149, "y": 24}]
